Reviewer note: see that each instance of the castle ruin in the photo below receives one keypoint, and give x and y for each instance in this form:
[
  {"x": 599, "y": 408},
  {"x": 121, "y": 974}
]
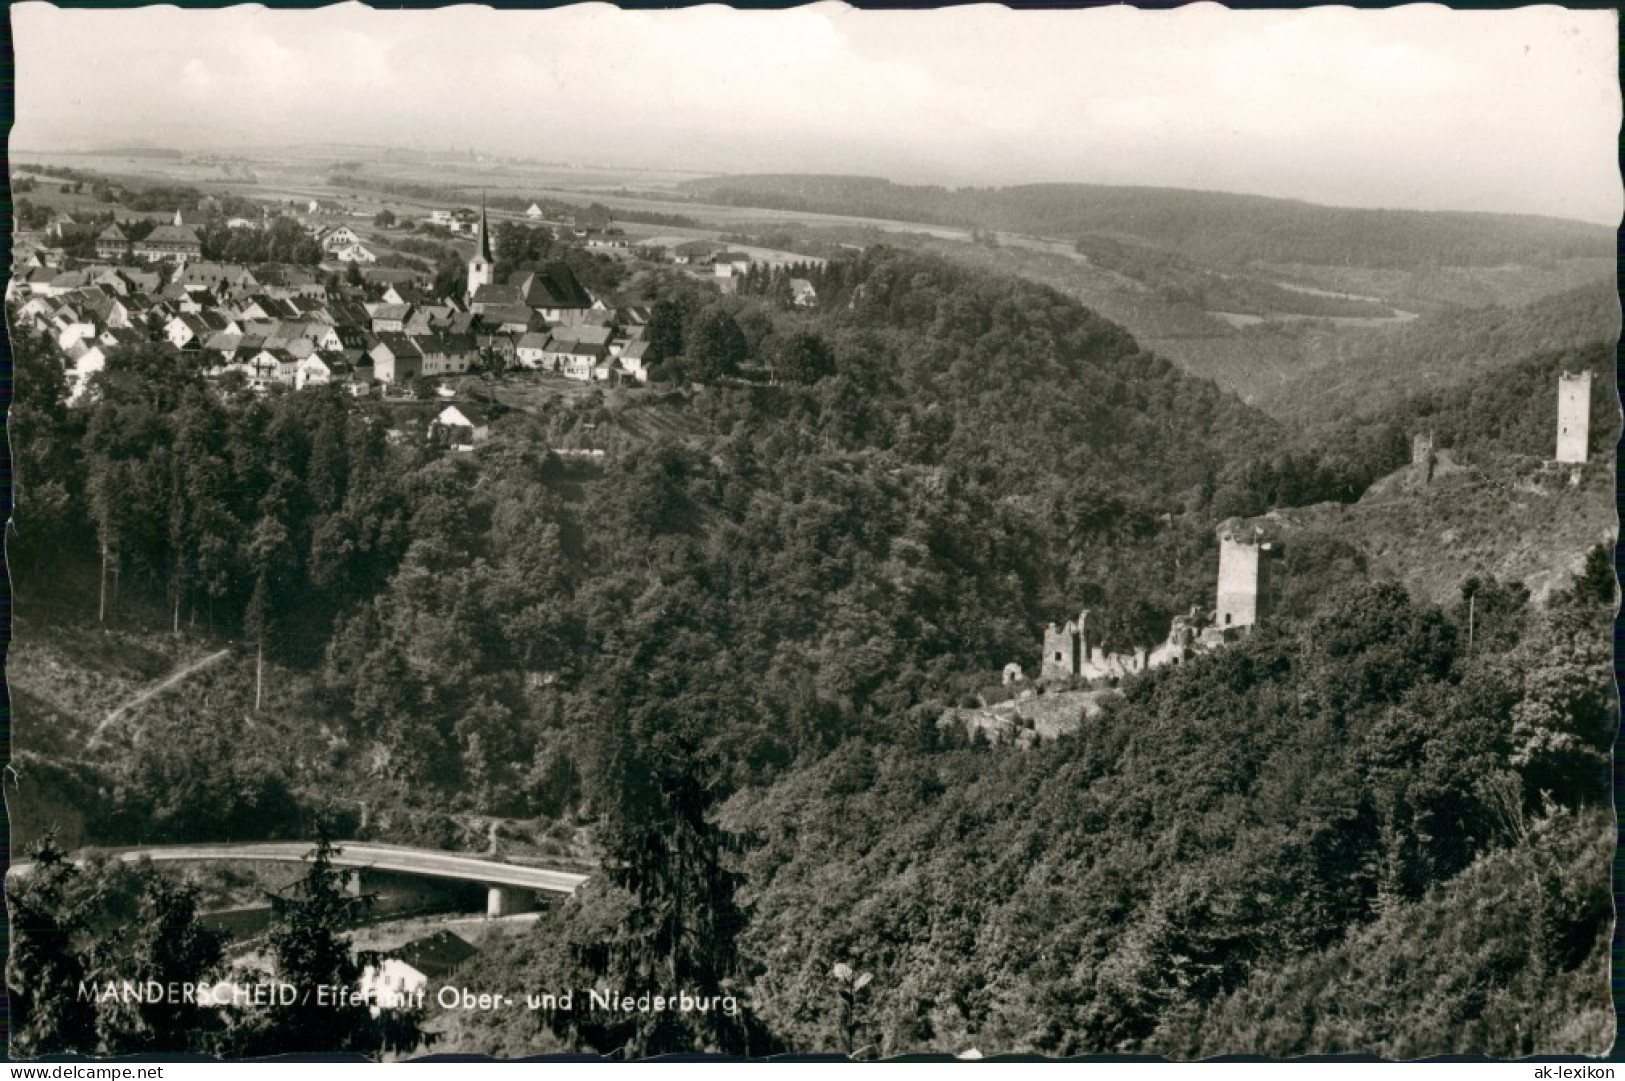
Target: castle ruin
[
  {"x": 1068, "y": 655},
  {"x": 1573, "y": 417},
  {"x": 1245, "y": 551}
]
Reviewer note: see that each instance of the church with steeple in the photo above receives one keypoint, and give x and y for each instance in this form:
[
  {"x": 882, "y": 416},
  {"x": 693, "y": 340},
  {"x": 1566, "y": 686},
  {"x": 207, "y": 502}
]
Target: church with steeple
[
  {"x": 551, "y": 292},
  {"x": 482, "y": 267}
]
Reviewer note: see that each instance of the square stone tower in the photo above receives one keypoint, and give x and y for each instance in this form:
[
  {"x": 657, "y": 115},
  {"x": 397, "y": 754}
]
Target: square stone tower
[
  {"x": 1243, "y": 594},
  {"x": 1060, "y": 659},
  {"x": 1065, "y": 649},
  {"x": 1573, "y": 417},
  {"x": 1421, "y": 458}
]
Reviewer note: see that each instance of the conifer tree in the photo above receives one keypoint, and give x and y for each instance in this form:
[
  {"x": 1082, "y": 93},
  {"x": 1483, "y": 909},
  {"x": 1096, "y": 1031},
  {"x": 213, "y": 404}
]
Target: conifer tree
[
  {"x": 264, "y": 549},
  {"x": 45, "y": 969},
  {"x": 681, "y": 932},
  {"x": 665, "y": 333},
  {"x": 169, "y": 947},
  {"x": 311, "y": 949}
]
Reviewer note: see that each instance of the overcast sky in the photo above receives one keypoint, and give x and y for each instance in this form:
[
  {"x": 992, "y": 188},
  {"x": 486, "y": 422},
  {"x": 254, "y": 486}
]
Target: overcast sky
[{"x": 1411, "y": 107}]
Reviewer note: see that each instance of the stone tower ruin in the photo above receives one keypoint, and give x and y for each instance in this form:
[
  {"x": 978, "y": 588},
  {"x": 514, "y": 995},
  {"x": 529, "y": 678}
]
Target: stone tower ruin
[
  {"x": 1573, "y": 417},
  {"x": 1244, "y": 587},
  {"x": 1065, "y": 649}
]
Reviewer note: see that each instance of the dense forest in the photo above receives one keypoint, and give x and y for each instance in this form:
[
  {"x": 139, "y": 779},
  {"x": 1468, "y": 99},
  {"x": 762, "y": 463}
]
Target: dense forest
[
  {"x": 1213, "y": 227},
  {"x": 1234, "y": 816},
  {"x": 1450, "y": 349},
  {"x": 1196, "y": 871},
  {"x": 1492, "y": 416},
  {"x": 733, "y": 640},
  {"x": 843, "y": 548}
]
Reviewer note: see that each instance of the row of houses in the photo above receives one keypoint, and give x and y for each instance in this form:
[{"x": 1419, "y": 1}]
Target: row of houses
[
  {"x": 175, "y": 242},
  {"x": 729, "y": 266},
  {"x": 278, "y": 325},
  {"x": 461, "y": 222},
  {"x": 178, "y": 242}
]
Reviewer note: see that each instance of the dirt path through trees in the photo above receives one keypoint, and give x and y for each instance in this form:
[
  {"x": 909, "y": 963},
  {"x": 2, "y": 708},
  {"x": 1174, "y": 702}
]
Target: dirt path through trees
[{"x": 141, "y": 699}]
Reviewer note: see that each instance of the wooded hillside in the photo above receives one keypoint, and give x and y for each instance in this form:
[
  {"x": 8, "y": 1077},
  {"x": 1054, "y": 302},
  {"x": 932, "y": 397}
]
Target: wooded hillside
[{"x": 724, "y": 646}]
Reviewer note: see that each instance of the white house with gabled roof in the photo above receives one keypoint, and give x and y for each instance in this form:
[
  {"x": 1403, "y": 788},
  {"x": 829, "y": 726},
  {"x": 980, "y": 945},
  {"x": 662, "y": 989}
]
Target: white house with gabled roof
[{"x": 461, "y": 426}]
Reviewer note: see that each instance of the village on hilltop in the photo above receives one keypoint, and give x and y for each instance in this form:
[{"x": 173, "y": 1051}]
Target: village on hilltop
[{"x": 345, "y": 320}]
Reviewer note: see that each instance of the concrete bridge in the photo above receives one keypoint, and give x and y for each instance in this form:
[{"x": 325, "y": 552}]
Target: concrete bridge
[{"x": 510, "y": 887}]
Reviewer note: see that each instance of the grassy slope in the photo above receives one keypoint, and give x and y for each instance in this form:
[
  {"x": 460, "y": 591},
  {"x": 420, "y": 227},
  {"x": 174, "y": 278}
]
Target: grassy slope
[
  {"x": 1509, "y": 518},
  {"x": 65, "y": 678}
]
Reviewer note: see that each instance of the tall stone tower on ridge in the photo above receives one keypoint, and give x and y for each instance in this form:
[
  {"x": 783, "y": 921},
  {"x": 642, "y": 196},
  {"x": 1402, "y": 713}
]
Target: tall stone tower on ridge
[
  {"x": 482, "y": 267},
  {"x": 1421, "y": 459},
  {"x": 1243, "y": 593},
  {"x": 1573, "y": 416}
]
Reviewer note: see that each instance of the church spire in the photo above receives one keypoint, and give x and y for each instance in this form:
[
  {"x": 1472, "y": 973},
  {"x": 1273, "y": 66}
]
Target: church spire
[
  {"x": 482, "y": 267},
  {"x": 485, "y": 233}
]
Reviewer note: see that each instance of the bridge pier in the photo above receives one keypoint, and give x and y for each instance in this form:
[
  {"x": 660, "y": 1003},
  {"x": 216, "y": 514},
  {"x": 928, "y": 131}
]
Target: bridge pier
[
  {"x": 507, "y": 901},
  {"x": 352, "y": 883}
]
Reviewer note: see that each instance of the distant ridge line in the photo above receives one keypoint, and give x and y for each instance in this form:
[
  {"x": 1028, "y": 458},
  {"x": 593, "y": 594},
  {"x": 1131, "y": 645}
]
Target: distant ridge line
[{"x": 1079, "y": 186}]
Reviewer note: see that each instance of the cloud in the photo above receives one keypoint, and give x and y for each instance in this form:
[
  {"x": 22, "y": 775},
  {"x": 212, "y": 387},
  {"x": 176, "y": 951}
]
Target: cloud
[{"x": 196, "y": 76}]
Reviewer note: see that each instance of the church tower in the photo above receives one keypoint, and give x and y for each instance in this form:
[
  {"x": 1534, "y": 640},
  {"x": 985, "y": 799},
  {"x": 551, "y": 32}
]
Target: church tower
[{"x": 481, "y": 268}]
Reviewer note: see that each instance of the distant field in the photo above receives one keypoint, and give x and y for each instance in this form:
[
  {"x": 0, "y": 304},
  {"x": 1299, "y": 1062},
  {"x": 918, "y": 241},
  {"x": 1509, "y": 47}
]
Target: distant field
[
  {"x": 49, "y": 193},
  {"x": 303, "y": 178},
  {"x": 512, "y": 178},
  {"x": 151, "y": 170},
  {"x": 319, "y": 160}
]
